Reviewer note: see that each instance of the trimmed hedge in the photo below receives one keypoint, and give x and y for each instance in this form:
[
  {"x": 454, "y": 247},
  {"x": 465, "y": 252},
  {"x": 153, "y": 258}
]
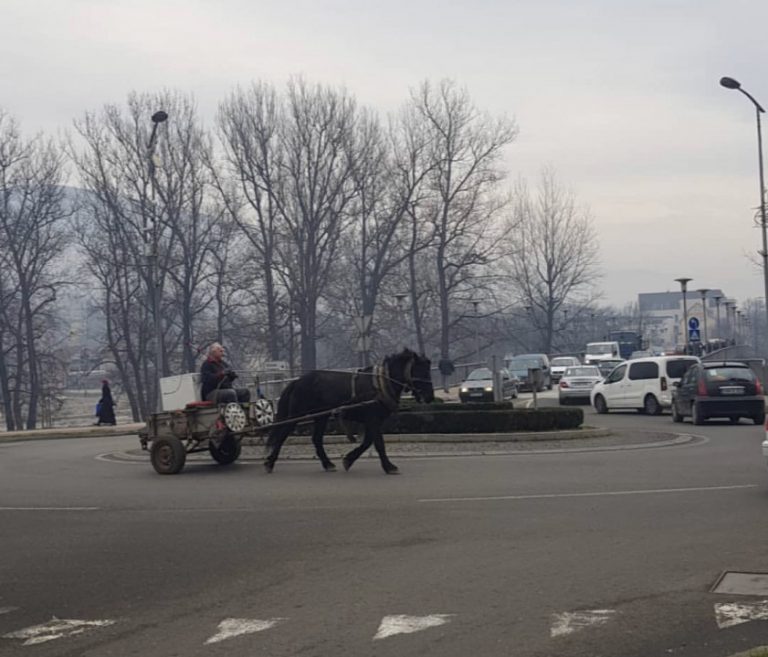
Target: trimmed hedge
[{"x": 450, "y": 418}]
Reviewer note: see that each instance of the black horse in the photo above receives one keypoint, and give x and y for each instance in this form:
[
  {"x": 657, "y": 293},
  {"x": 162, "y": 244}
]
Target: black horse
[{"x": 377, "y": 389}]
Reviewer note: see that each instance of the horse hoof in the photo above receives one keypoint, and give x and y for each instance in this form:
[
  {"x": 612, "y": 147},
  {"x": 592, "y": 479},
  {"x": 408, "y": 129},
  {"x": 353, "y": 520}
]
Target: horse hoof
[
  {"x": 347, "y": 463},
  {"x": 330, "y": 467},
  {"x": 393, "y": 470},
  {"x": 268, "y": 467}
]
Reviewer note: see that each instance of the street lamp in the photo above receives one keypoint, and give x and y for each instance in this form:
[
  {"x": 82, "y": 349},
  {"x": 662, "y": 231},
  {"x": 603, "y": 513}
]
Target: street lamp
[
  {"x": 730, "y": 83},
  {"x": 717, "y": 298},
  {"x": 703, "y": 292},
  {"x": 684, "y": 289},
  {"x": 476, "y": 304},
  {"x": 152, "y": 257}
]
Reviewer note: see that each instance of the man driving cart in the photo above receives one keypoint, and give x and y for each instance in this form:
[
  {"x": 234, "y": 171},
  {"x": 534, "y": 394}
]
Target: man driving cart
[{"x": 216, "y": 379}]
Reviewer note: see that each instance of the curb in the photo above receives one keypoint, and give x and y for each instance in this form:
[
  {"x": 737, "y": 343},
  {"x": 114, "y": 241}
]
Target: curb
[{"x": 134, "y": 428}]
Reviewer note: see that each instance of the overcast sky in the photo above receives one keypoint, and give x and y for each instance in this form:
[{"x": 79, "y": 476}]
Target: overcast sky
[{"x": 620, "y": 97}]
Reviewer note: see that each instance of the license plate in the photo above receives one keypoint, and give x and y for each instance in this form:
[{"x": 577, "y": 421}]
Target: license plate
[
  {"x": 732, "y": 391},
  {"x": 475, "y": 394}
]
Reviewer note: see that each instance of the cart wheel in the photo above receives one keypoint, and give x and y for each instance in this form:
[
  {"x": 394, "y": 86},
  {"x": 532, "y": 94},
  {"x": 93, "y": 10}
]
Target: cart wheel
[
  {"x": 262, "y": 412},
  {"x": 168, "y": 455},
  {"x": 225, "y": 451},
  {"x": 234, "y": 417}
]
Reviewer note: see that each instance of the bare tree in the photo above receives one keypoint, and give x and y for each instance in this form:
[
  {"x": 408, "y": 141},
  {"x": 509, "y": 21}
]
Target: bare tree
[
  {"x": 252, "y": 186},
  {"x": 320, "y": 157},
  {"x": 465, "y": 204},
  {"x": 557, "y": 265},
  {"x": 32, "y": 239},
  {"x": 121, "y": 206}
]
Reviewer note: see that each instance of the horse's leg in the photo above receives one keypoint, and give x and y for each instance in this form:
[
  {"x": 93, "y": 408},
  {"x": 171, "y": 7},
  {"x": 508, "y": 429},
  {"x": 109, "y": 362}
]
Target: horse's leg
[
  {"x": 378, "y": 443},
  {"x": 356, "y": 453},
  {"x": 276, "y": 439},
  {"x": 317, "y": 440}
]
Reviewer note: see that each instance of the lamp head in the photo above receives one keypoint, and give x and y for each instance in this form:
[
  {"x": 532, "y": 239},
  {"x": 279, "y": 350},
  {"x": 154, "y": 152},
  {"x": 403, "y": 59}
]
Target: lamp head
[
  {"x": 730, "y": 83},
  {"x": 159, "y": 116},
  {"x": 683, "y": 282}
]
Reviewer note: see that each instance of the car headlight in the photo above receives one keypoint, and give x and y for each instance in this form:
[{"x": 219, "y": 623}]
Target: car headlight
[
  {"x": 488, "y": 388},
  {"x": 465, "y": 389}
]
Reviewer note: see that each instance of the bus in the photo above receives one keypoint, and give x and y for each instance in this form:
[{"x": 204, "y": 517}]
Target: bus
[{"x": 629, "y": 341}]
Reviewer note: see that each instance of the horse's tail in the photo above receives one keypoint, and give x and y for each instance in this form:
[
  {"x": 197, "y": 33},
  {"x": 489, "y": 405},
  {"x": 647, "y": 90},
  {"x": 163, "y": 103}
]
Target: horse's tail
[{"x": 283, "y": 411}]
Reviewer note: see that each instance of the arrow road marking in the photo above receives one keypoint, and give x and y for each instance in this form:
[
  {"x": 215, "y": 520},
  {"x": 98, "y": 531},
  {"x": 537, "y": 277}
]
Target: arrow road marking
[
  {"x": 399, "y": 624},
  {"x": 232, "y": 627},
  {"x": 56, "y": 628},
  {"x": 571, "y": 621},
  {"x": 729, "y": 614}
]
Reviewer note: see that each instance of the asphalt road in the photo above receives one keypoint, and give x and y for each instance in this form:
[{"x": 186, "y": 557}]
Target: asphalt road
[{"x": 585, "y": 554}]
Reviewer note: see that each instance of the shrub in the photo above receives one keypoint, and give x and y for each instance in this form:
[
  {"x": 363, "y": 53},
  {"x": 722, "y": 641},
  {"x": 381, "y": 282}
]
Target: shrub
[{"x": 450, "y": 418}]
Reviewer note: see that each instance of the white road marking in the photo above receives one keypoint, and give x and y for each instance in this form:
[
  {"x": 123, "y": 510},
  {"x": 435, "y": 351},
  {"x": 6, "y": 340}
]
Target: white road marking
[
  {"x": 49, "y": 508},
  {"x": 56, "y": 628},
  {"x": 729, "y": 614},
  {"x": 400, "y": 624},
  {"x": 7, "y": 610},
  {"x": 609, "y": 493},
  {"x": 232, "y": 627},
  {"x": 571, "y": 621}
]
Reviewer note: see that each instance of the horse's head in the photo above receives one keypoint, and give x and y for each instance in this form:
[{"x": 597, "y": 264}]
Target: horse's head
[{"x": 417, "y": 375}]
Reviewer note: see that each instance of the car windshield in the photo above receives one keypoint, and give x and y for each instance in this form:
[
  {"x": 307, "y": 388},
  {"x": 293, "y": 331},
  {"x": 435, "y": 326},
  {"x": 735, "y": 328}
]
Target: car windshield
[
  {"x": 582, "y": 371},
  {"x": 524, "y": 364},
  {"x": 729, "y": 374},
  {"x": 679, "y": 366},
  {"x": 601, "y": 349},
  {"x": 563, "y": 362},
  {"x": 480, "y": 375}
]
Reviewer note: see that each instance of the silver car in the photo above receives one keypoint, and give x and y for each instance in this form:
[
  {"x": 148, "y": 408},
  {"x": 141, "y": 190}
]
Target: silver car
[{"x": 577, "y": 383}]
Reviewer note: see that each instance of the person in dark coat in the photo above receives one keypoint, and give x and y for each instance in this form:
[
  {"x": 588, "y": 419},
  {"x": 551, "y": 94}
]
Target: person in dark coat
[
  {"x": 106, "y": 406},
  {"x": 216, "y": 379}
]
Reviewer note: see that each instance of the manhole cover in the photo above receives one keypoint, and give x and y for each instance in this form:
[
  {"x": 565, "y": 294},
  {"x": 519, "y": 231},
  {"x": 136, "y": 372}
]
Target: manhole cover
[{"x": 735, "y": 583}]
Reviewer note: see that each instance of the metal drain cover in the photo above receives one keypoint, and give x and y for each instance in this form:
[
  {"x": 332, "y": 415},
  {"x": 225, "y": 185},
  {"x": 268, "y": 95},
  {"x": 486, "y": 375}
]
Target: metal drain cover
[{"x": 735, "y": 583}]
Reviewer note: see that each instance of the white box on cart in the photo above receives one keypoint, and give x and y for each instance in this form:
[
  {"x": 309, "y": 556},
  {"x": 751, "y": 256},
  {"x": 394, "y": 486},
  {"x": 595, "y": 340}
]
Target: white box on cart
[{"x": 178, "y": 391}]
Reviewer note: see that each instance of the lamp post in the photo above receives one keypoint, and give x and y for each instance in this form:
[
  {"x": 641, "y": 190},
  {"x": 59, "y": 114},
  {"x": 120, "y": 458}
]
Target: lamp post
[
  {"x": 476, "y": 304},
  {"x": 717, "y": 298},
  {"x": 684, "y": 289},
  {"x": 703, "y": 292},
  {"x": 152, "y": 256},
  {"x": 730, "y": 83}
]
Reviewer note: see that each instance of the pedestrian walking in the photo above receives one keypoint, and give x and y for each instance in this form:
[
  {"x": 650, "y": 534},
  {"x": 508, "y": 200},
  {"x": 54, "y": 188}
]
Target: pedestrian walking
[{"x": 105, "y": 409}]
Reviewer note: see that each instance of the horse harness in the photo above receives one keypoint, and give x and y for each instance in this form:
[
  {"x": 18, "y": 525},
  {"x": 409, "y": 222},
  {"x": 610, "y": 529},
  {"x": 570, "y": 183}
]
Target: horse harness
[{"x": 380, "y": 379}]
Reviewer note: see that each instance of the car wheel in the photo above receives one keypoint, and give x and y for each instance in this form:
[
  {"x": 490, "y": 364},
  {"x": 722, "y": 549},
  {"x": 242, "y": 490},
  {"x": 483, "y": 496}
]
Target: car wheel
[
  {"x": 563, "y": 401},
  {"x": 697, "y": 417},
  {"x": 651, "y": 405},
  {"x": 734, "y": 419},
  {"x": 600, "y": 406},
  {"x": 676, "y": 417},
  {"x": 759, "y": 418}
]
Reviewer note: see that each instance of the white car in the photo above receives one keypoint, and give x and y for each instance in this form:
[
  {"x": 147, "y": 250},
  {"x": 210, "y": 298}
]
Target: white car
[
  {"x": 644, "y": 384},
  {"x": 558, "y": 365}
]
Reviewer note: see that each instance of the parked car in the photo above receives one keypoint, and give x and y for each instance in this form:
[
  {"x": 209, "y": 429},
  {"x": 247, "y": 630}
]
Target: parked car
[
  {"x": 478, "y": 386},
  {"x": 558, "y": 365},
  {"x": 729, "y": 389},
  {"x": 607, "y": 366},
  {"x": 644, "y": 384},
  {"x": 640, "y": 354},
  {"x": 519, "y": 366},
  {"x": 577, "y": 383}
]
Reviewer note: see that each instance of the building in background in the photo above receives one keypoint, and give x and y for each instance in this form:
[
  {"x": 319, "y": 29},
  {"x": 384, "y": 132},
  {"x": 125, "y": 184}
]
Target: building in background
[{"x": 664, "y": 321}]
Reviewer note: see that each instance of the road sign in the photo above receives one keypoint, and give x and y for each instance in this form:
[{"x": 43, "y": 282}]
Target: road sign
[
  {"x": 363, "y": 323},
  {"x": 694, "y": 335},
  {"x": 693, "y": 323}
]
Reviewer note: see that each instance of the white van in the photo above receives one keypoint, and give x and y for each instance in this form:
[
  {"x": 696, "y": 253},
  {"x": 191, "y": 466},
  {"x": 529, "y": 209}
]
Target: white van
[
  {"x": 597, "y": 351},
  {"x": 644, "y": 384}
]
